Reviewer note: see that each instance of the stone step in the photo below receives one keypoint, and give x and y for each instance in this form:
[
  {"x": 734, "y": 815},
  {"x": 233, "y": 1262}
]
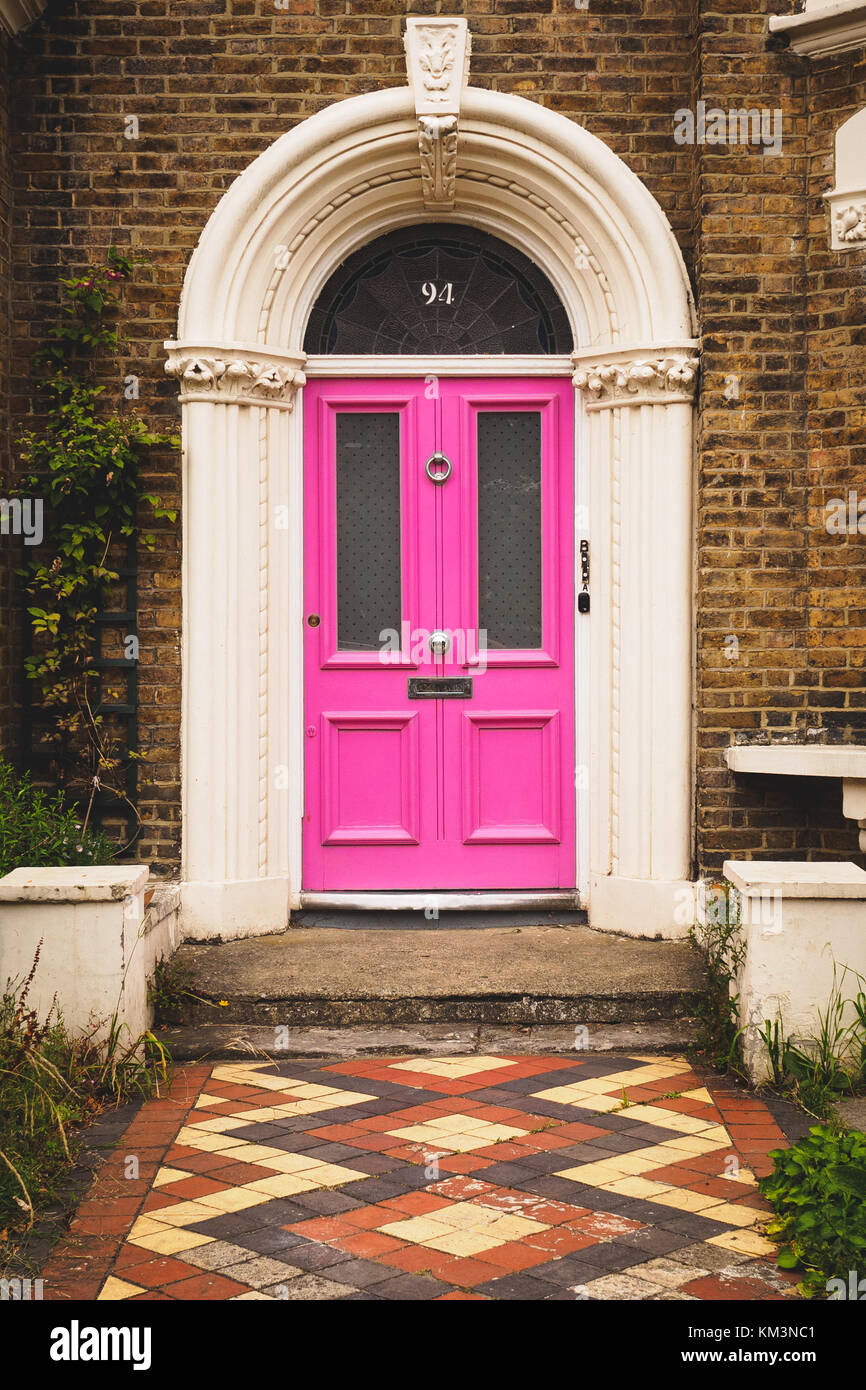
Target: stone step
[
  {"x": 520, "y": 976},
  {"x": 225, "y": 1040}
]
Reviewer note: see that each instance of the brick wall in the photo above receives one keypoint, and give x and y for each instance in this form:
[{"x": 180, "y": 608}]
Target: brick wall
[
  {"x": 212, "y": 84},
  {"x": 8, "y": 634}
]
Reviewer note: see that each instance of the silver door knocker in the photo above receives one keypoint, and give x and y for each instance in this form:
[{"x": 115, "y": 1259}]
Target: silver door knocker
[{"x": 443, "y": 466}]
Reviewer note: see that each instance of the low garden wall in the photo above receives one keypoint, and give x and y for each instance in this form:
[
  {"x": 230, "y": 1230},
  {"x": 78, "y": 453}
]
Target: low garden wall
[
  {"x": 802, "y": 925},
  {"x": 99, "y": 942}
]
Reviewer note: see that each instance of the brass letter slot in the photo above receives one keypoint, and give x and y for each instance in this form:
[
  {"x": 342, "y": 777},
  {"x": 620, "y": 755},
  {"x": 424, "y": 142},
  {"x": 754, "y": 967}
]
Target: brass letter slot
[{"x": 440, "y": 688}]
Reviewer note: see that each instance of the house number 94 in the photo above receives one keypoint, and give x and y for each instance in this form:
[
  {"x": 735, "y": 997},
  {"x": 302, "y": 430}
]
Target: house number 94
[{"x": 432, "y": 293}]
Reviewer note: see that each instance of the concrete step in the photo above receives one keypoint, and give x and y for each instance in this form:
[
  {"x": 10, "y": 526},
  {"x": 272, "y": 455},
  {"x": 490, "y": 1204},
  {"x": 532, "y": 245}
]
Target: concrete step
[
  {"x": 225, "y": 1040},
  {"x": 525, "y": 976}
]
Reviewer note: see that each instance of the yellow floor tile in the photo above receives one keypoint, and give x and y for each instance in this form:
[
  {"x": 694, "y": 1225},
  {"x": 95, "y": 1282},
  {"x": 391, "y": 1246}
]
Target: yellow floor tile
[
  {"x": 515, "y": 1227},
  {"x": 746, "y": 1242},
  {"x": 636, "y": 1187},
  {"x": 220, "y": 1124},
  {"x": 165, "y": 1176},
  {"x": 232, "y": 1199},
  {"x": 638, "y": 1076},
  {"x": 718, "y": 1133},
  {"x": 697, "y": 1144},
  {"x": 171, "y": 1242},
  {"x": 281, "y": 1185},
  {"x": 463, "y": 1243},
  {"x": 636, "y": 1162},
  {"x": 599, "y": 1105},
  {"x": 331, "y": 1175},
  {"x": 201, "y": 1139},
  {"x": 146, "y": 1226},
  {"x": 452, "y": 1124},
  {"x": 593, "y": 1174},
  {"x": 682, "y": 1200},
  {"x": 494, "y": 1134},
  {"x": 288, "y": 1163},
  {"x": 418, "y": 1229},
  {"x": 185, "y": 1213},
  {"x": 699, "y": 1093},
  {"x": 452, "y": 1066},
  {"x": 736, "y": 1215},
  {"x": 117, "y": 1288},
  {"x": 253, "y": 1153}
]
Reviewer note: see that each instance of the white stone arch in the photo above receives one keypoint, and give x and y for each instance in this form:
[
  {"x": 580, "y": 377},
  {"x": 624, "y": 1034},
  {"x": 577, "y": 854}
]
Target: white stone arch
[{"x": 330, "y": 185}]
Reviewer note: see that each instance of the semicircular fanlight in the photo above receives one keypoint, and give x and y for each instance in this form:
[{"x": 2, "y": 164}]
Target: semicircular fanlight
[{"x": 434, "y": 289}]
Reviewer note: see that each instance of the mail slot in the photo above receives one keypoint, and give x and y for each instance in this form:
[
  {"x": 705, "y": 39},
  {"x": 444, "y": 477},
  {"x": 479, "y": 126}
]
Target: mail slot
[{"x": 440, "y": 688}]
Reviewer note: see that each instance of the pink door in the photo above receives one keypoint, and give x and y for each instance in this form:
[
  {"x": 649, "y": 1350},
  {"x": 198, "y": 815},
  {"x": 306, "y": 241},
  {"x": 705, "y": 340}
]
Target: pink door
[{"x": 438, "y": 757}]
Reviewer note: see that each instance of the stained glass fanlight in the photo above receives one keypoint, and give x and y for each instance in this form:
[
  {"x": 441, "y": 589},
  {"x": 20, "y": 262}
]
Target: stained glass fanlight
[{"x": 434, "y": 289}]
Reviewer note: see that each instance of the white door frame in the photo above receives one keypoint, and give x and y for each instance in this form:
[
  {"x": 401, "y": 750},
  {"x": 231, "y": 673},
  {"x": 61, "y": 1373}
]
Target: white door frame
[{"x": 328, "y": 187}]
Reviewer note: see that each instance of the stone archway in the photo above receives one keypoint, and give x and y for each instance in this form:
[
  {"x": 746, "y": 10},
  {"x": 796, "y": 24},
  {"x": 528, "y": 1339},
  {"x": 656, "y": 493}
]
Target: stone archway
[{"x": 340, "y": 178}]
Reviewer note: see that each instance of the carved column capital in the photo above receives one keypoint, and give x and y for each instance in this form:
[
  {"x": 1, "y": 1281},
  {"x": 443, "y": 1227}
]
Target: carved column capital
[
  {"x": 437, "y": 59},
  {"x": 235, "y": 375},
  {"x": 636, "y": 377}
]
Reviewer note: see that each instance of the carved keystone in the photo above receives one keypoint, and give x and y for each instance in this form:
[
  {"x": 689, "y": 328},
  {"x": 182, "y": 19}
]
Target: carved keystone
[{"x": 437, "y": 59}]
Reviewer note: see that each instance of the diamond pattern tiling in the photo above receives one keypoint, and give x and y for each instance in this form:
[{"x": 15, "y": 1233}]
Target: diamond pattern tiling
[{"x": 495, "y": 1176}]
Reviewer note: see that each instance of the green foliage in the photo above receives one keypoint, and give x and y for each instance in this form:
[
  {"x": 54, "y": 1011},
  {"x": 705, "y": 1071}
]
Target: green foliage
[
  {"x": 38, "y": 828},
  {"x": 816, "y": 1070},
  {"x": 84, "y": 464},
  {"x": 720, "y": 941},
  {"x": 168, "y": 990},
  {"x": 818, "y": 1191},
  {"x": 51, "y": 1084}
]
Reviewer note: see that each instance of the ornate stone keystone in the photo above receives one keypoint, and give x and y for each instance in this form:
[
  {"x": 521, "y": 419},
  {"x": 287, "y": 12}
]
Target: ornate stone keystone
[{"x": 437, "y": 59}]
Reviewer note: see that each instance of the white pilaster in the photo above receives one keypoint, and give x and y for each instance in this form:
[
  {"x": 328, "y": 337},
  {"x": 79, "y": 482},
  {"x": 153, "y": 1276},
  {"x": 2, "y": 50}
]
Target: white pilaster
[{"x": 639, "y": 404}]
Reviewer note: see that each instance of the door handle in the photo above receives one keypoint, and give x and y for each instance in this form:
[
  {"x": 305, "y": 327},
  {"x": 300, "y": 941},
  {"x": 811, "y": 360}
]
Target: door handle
[{"x": 439, "y": 642}]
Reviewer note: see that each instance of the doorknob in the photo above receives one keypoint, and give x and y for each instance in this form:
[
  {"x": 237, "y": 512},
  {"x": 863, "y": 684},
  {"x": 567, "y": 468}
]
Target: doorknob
[
  {"x": 439, "y": 642},
  {"x": 442, "y": 465}
]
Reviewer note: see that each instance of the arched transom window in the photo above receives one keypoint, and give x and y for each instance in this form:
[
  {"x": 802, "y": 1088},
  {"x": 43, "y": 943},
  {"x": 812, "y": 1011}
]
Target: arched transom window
[{"x": 438, "y": 288}]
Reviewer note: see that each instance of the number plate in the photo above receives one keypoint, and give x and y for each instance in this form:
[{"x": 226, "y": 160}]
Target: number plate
[{"x": 440, "y": 688}]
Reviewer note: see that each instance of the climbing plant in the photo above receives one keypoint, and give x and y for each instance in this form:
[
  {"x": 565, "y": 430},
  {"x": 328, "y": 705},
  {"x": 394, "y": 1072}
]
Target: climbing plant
[{"x": 84, "y": 467}]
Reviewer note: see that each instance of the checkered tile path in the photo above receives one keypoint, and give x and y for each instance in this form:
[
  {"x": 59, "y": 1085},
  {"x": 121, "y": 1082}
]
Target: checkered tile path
[{"x": 424, "y": 1178}]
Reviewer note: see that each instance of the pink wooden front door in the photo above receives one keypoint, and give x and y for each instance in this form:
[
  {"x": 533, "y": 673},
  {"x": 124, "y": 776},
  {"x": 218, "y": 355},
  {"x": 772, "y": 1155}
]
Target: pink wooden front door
[{"x": 428, "y": 768}]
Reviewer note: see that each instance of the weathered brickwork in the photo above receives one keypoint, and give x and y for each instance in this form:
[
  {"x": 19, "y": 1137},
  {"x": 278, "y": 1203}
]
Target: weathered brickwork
[
  {"x": 781, "y": 413},
  {"x": 8, "y": 624}
]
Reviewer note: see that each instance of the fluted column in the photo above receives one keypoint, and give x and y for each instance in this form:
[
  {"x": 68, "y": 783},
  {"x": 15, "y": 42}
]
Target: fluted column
[
  {"x": 639, "y": 408},
  {"x": 236, "y": 409}
]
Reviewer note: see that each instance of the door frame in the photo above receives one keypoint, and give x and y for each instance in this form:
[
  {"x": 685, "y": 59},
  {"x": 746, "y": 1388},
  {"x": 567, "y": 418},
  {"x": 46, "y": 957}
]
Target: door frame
[
  {"x": 386, "y": 366},
  {"x": 327, "y": 187}
]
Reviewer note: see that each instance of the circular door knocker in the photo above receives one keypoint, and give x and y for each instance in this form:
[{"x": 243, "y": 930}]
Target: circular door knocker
[{"x": 438, "y": 477}]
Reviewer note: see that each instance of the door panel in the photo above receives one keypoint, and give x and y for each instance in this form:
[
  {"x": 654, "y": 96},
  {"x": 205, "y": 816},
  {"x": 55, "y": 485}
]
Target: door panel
[
  {"x": 441, "y": 793},
  {"x": 370, "y": 779},
  {"x": 511, "y": 778}
]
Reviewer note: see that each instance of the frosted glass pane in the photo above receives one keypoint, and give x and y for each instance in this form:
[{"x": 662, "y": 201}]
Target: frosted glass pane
[
  {"x": 509, "y": 528},
  {"x": 368, "y": 528}
]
